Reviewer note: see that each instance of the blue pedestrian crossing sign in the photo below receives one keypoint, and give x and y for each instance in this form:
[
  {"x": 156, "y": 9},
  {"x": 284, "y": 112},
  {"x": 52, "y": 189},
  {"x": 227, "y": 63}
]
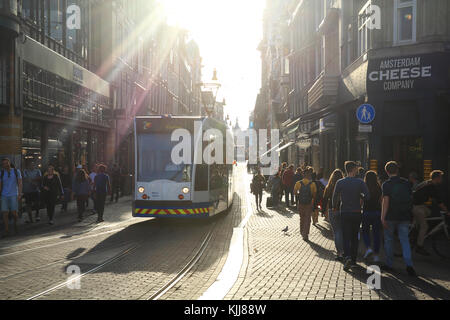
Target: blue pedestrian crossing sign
[{"x": 365, "y": 113}]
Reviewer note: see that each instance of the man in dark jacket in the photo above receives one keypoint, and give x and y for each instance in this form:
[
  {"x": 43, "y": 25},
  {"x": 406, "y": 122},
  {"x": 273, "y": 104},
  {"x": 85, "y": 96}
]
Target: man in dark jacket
[{"x": 288, "y": 183}]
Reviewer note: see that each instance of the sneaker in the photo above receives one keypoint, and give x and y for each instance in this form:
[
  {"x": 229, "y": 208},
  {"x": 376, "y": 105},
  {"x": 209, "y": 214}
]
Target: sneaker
[
  {"x": 422, "y": 251},
  {"x": 411, "y": 271},
  {"x": 368, "y": 253},
  {"x": 306, "y": 239}
]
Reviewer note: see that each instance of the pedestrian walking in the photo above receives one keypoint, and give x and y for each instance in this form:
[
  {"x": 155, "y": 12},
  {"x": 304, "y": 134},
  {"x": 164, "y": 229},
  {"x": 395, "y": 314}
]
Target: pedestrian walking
[
  {"x": 258, "y": 183},
  {"x": 318, "y": 199},
  {"x": 81, "y": 191},
  {"x": 92, "y": 176},
  {"x": 66, "y": 181},
  {"x": 276, "y": 188},
  {"x": 102, "y": 187},
  {"x": 334, "y": 215},
  {"x": 349, "y": 194},
  {"x": 372, "y": 216},
  {"x": 306, "y": 190},
  {"x": 425, "y": 192},
  {"x": 288, "y": 184},
  {"x": 298, "y": 176},
  {"x": 32, "y": 180},
  {"x": 321, "y": 177},
  {"x": 116, "y": 175},
  {"x": 396, "y": 214},
  {"x": 283, "y": 187},
  {"x": 52, "y": 191},
  {"x": 11, "y": 193}
]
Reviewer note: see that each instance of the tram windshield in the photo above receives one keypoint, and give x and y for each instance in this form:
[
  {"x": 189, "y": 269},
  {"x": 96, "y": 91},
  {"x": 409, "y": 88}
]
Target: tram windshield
[{"x": 154, "y": 159}]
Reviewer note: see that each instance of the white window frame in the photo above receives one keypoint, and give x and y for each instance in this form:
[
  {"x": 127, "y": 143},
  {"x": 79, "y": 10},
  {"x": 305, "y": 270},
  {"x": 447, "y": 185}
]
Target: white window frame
[
  {"x": 363, "y": 28},
  {"x": 397, "y": 7}
]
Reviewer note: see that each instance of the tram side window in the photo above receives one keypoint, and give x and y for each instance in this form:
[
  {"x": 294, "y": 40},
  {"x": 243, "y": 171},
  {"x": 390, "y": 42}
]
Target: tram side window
[{"x": 201, "y": 178}]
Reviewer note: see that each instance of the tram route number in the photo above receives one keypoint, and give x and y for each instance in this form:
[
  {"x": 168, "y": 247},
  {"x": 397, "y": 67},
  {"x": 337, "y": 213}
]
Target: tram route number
[{"x": 235, "y": 310}]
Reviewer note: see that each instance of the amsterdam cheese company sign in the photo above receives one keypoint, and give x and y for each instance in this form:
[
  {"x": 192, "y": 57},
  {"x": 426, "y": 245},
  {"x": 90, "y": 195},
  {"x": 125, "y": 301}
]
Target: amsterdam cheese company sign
[{"x": 408, "y": 73}]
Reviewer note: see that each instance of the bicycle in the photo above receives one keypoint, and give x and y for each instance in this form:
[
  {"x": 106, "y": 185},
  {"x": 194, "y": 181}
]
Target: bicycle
[{"x": 439, "y": 234}]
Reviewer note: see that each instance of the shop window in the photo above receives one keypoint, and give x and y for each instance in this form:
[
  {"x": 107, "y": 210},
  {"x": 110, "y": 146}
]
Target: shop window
[
  {"x": 405, "y": 21},
  {"x": 57, "y": 146},
  {"x": 31, "y": 142}
]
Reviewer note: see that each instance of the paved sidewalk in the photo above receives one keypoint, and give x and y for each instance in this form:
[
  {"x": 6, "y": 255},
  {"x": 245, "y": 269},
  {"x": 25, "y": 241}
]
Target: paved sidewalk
[
  {"x": 61, "y": 219},
  {"x": 282, "y": 266}
]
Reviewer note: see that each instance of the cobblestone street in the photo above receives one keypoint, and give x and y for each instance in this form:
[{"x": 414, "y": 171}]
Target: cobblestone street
[{"x": 129, "y": 258}]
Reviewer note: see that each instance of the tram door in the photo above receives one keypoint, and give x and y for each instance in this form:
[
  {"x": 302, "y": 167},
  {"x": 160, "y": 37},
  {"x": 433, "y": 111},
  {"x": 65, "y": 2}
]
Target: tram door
[{"x": 407, "y": 151}]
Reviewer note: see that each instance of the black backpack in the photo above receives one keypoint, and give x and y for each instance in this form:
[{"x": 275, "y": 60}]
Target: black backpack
[
  {"x": 401, "y": 200},
  {"x": 305, "y": 194}
]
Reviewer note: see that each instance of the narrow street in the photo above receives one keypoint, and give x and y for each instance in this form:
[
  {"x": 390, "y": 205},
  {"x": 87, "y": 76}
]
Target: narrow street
[{"x": 131, "y": 258}]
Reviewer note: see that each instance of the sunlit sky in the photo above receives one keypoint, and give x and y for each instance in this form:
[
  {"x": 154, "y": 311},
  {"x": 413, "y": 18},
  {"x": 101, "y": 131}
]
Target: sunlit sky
[{"x": 228, "y": 33}]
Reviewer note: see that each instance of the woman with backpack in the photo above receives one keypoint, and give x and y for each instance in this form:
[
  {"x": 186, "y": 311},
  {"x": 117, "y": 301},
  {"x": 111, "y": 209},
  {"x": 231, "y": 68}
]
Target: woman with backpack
[
  {"x": 334, "y": 216},
  {"x": 52, "y": 191},
  {"x": 81, "y": 190},
  {"x": 372, "y": 216},
  {"x": 307, "y": 191}
]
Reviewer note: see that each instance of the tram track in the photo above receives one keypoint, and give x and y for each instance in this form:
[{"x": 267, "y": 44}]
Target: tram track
[
  {"x": 182, "y": 273},
  {"x": 108, "y": 262}
]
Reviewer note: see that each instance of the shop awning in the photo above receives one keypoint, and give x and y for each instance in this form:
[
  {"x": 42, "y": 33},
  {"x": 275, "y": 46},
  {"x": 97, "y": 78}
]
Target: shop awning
[{"x": 287, "y": 145}]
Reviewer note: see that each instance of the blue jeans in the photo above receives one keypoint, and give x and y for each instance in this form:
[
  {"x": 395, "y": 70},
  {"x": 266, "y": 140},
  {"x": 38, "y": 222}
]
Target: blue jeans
[
  {"x": 372, "y": 218},
  {"x": 403, "y": 230},
  {"x": 335, "y": 221}
]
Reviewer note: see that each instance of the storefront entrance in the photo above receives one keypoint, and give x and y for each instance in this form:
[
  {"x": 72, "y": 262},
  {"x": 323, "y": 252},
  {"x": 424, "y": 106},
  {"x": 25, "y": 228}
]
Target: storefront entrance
[{"x": 407, "y": 151}]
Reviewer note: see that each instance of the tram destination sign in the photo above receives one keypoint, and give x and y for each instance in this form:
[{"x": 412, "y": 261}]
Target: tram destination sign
[
  {"x": 403, "y": 73},
  {"x": 163, "y": 125}
]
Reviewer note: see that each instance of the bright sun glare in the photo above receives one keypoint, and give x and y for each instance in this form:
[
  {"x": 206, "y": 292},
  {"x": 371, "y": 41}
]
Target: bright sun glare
[{"x": 228, "y": 33}]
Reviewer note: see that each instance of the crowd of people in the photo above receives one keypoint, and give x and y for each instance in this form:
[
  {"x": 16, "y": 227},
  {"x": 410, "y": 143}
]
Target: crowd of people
[
  {"x": 357, "y": 204},
  {"x": 50, "y": 188}
]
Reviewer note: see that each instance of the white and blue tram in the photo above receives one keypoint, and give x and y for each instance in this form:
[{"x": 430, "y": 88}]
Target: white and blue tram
[{"x": 189, "y": 190}]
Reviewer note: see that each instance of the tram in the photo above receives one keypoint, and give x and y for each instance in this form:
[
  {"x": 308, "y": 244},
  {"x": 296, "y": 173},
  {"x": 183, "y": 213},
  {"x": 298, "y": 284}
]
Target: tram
[{"x": 194, "y": 188}]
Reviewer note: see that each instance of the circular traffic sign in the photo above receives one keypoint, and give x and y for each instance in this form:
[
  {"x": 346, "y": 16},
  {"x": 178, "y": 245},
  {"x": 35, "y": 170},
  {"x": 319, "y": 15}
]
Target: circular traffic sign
[{"x": 365, "y": 113}]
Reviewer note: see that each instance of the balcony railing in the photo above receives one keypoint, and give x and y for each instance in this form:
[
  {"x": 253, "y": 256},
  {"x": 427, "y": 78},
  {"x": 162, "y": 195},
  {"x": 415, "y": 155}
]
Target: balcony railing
[
  {"x": 323, "y": 92},
  {"x": 47, "y": 100}
]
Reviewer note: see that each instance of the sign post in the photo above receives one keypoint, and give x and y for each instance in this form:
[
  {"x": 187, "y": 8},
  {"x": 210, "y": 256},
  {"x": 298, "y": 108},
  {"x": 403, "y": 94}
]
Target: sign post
[{"x": 365, "y": 115}]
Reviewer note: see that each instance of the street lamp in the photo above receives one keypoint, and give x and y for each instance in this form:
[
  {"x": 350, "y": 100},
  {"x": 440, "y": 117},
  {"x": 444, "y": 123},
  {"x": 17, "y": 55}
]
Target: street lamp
[{"x": 209, "y": 94}]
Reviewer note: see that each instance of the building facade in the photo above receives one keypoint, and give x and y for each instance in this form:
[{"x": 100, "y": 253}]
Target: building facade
[
  {"x": 393, "y": 55},
  {"x": 73, "y": 74}
]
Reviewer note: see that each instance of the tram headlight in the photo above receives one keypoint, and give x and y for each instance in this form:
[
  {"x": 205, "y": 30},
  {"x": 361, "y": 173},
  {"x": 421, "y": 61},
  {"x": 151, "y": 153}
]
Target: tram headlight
[
  {"x": 141, "y": 189},
  {"x": 185, "y": 190}
]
